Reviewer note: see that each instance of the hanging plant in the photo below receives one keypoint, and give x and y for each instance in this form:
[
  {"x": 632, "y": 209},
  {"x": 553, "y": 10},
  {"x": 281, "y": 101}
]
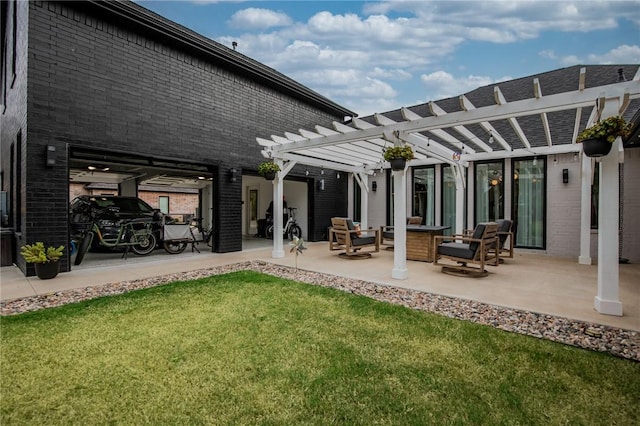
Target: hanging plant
[
  {"x": 403, "y": 151},
  {"x": 268, "y": 170},
  {"x": 268, "y": 167},
  {"x": 608, "y": 129},
  {"x": 598, "y": 139}
]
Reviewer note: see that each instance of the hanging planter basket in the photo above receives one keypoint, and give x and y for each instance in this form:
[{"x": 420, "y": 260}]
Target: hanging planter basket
[
  {"x": 47, "y": 270},
  {"x": 270, "y": 175},
  {"x": 398, "y": 163},
  {"x": 596, "y": 147}
]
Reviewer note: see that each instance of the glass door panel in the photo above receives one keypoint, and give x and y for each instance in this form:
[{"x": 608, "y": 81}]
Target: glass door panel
[
  {"x": 529, "y": 201},
  {"x": 489, "y": 187}
]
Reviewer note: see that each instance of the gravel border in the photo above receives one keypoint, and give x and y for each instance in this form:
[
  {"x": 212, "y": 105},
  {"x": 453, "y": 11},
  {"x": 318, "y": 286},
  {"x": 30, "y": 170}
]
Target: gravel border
[{"x": 615, "y": 341}]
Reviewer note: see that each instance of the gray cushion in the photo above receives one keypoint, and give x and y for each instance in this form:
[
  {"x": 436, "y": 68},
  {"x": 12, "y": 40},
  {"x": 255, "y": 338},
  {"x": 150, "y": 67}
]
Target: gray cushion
[
  {"x": 504, "y": 225},
  {"x": 363, "y": 241},
  {"x": 388, "y": 235},
  {"x": 477, "y": 234},
  {"x": 461, "y": 250}
]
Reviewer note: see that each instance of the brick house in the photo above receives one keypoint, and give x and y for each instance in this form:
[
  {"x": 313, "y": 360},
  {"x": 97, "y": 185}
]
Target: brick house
[{"x": 91, "y": 82}]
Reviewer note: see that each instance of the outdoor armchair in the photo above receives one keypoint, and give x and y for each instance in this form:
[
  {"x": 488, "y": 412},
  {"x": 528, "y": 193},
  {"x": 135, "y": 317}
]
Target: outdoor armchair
[
  {"x": 505, "y": 239},
  {"x": 462, "y": 252},
  {"x": 355, "y": 243}
]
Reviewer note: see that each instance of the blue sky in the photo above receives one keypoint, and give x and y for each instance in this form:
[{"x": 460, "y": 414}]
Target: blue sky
[{"x": 378, "y": 56}]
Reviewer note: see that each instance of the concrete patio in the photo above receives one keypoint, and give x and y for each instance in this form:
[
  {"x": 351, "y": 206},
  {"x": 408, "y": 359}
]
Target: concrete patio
[{"x": 531, "y": 282}]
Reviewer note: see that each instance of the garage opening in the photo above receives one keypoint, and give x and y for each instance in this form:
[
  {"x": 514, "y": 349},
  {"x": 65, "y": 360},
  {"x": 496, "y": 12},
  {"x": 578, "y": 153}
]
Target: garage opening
[{"x": 182, "y": 192}]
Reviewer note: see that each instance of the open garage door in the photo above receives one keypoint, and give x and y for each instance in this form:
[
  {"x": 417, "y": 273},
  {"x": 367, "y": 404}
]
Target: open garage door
[{"x": 181, "y": 190}]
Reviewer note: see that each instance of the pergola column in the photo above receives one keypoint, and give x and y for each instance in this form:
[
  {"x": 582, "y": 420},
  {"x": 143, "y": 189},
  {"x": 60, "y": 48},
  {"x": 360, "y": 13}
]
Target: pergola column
[
  {"x": 585, "y": 211},
  {"x": 607, "y": 300},
  {"x": 278, "y": 248},
  {"x": 400, "y": 271}
]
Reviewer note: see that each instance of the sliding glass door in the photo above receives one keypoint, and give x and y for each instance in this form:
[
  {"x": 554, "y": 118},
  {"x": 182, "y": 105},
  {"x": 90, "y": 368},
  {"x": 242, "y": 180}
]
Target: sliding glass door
[
  {"x": 423, "y": 204},
  {"x": 529, "y": 202},
  {"x": 489, "y": 192},
  {"x": 448, "y": 198}
]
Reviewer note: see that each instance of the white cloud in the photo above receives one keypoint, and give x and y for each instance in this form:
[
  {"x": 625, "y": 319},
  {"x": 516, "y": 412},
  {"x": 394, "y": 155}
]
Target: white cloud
[
  {"x": 441, "y": 84},
  {"x": 254, "y": 18},
  {"x": 363, "y": 60},
  {"x": 391, "y": 74},
  {"x": 624, "y": 54}
]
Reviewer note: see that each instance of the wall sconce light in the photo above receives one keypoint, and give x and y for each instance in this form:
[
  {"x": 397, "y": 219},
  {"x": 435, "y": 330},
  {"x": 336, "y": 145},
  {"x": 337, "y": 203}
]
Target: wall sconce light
[
  {"x": 233, "y": 174},
  {"x": 338, "y": 175},
  {"x": 565, "y": 175},
  {"x": 490, "y": 137},
  {"x": 51, "y": 155},
  {"x": 374, "y": 186},
  {"x": 321, "y": 185}
]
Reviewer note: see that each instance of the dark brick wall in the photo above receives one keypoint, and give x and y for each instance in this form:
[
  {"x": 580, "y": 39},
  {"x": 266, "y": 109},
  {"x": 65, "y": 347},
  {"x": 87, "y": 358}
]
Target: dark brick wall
[
  {"x": 13, "y": 124},
  {"x": 97, "y": 84}
]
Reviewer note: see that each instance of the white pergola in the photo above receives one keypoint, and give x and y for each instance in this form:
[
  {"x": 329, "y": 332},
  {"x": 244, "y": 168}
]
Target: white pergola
[{"x": 458, "y": 138}]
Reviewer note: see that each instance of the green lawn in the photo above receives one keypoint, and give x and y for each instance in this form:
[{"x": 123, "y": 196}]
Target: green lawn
[{"x": 248, "y": 348}]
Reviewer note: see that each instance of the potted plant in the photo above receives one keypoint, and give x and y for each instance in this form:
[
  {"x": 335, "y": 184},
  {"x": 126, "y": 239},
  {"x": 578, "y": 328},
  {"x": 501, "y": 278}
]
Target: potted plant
[
  {"x": 268, "y": 170},
  {"x": 45, "y": 259},
  {"x": 598, "y": 139},
  {"x": 398, "y": 156}
]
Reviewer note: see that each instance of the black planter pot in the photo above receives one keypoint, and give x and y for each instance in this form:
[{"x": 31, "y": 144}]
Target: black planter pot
[
  {"x": 596, "y": 147},
  {"x": 270, "y": 175},
  {"x": 397, "y": 163},
  {"x": 46, "y": 271}
]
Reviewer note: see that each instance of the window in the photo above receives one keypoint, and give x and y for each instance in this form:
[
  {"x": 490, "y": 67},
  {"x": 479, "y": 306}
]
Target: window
[
  {"x": 163, "y": 202},
  {"x": 357, "y": 205},
  {"x": 529, "y": 200},
  {"x": 448, "y": 198},
  {"x": 489, "y": 192},
  {"x": 423, "y": 185},
  {"x": 17, "y": 206}
]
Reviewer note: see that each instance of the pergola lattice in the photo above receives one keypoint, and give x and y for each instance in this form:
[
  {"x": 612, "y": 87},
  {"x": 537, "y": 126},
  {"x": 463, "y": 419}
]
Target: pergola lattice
[{"x": 537, "y": 125}]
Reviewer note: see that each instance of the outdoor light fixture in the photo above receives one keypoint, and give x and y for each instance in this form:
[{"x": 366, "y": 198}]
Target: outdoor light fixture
[
  {"x": 338, "y": 175},
  {"x": 51, "y": 155},
  {"x": 565, "y": 175},
  {"x": 374, "y": 186},
  {"x": 233, "y": 175},
  {"x": 490, "y": 137},
  {"x": 98, "y": 167},
  {"x": 535, "y": 161},
  {"x": 321, "y": 185}
]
